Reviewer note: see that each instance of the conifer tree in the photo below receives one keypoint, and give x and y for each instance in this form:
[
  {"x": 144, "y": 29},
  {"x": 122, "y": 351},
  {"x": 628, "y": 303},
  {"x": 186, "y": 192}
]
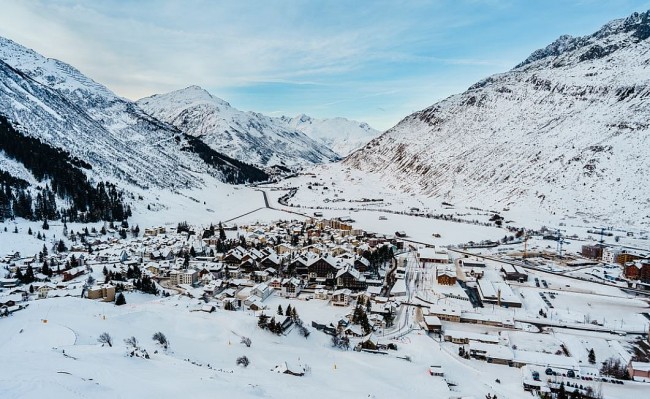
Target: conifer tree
[{"x": 120, "y": 300}]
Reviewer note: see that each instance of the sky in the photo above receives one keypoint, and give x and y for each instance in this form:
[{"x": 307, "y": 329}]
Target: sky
[{"x": 374, "y": 61}]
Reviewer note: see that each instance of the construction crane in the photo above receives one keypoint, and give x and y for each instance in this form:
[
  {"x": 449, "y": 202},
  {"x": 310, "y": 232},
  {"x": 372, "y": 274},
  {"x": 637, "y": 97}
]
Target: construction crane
[
  {"x": 601, "y": 231},
  {"x": 525, "y": 244},
  {"x": 560, "y": 241}
]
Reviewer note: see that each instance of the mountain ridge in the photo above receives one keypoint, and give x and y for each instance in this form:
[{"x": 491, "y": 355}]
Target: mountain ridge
[{"x": 563, "y": 126}]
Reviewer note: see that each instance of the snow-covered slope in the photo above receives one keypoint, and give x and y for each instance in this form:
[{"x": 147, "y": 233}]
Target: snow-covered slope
[
  {"x": 565, "y": 131},
  {"x": 247, "y": 136},
  {"x": 340, "y": 134},
  {"x": 52, "y": 101}
]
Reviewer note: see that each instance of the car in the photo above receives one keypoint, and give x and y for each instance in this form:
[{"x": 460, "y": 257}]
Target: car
[{"x": 549, "y": 371}]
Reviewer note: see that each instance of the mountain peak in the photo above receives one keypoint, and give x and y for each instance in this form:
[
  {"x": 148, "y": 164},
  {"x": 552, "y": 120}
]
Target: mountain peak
[
  {"x": 193, "y": 94},
  {"x": 614, "y": 35}
]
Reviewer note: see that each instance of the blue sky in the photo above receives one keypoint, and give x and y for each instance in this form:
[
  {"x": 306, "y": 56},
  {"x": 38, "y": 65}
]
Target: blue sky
[{"x": 375, "y": 61}]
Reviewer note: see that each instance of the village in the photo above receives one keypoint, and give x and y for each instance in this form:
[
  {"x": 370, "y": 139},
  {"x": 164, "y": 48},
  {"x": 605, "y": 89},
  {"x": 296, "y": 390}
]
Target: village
[{"x": 555, "y": 322}]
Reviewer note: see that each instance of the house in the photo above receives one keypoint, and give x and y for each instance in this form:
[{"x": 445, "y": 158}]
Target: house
[
  {"x": 361, "y": 264},
  {"x": 513, "y": 273},
  {"x": 341, "y": 297},
  {"x": 430, "y": 255},
  {"x": 320, "y": 292},
  {"x": 323, "y": 269},
  {"x": 348, "y": 277},
  {"x": 369, "y": 342},
  {"x": 639, "y": 270},
  {"x": 432, "y": 324},
  {"x": 74, "y": 272},
  {"x": 208, "y": 308},
  {"x": 285, "y": 322},
  {"x": 262, "y": 291},
  {"x": 9, "y": 282},
  {"x": 105, "y": 292},
  {"x": 445, "y": 313},
  {"x": 327, "y": 329},
  {"x": 446, "y": 276},
  {"x": 639, "y": 371},
  {"x": 291, "y": 287}
]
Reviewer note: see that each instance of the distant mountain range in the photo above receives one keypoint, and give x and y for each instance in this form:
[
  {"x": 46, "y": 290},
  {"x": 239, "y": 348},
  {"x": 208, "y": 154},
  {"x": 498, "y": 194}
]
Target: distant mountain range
[
  {"x": 253, "y": 137},
  {"x": 249, "y": 136},
  {"x": 566, "y": 130},
  {"x": 99, "y": 136}
]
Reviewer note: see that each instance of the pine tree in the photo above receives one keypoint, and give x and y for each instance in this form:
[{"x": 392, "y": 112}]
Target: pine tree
[
  {"x": 45, "y": 269},
  {"x": 288, "y": 312},
  {"x": 29, "y": 231},
  {"x": 280, "y": 313},
  {"x": 46, "y": 226},
  {"x": 222, "y": 232},
  {"x": 592, "y": 356},
  {"x": 120, "y": 300},
  {"x": 562, "y": 392},
  {"x": 262, "y": 321}
]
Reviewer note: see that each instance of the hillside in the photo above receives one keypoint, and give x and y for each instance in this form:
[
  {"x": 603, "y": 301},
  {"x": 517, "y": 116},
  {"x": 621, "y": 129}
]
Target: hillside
[
  {"x": 110, "y": 137},
  {"x": 559, "y": 133},
  {"x": 247, "y": 136}
]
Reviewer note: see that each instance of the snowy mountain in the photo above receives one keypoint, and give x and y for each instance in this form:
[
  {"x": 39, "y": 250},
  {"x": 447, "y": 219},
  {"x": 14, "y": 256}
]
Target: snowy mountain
[
  {"x": 340, "y": 134},
  {"x": 247, "y": 136},
  {"x": 52, "y": 101},
  {"x": 566, "y": 131}
]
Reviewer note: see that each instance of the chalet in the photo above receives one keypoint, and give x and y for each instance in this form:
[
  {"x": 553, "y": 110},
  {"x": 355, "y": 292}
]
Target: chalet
[
  {"x": 248, "y": 266},
  {"x": 353, "y": 331},
  {"x": 341, "y": 297},
  {"x": 234, "y": 256},
  {"x": 72, "y": 273},
  {"x": 291, "y": 287},
  {"x": 432, "y": 324},
  {"x": 275, "y": 283},
  {"x": 300, "y": 265},
  {"x": 446, "y": 276},
  {"x": 285, "y": 322},
  {"x": 639, "y": 270},
  {"x": 262, "y": 291},
  {"x": 271, "y": 260},
  {"x": 323, "y": 269},
  {"x": 361, "y": 264},
  {"x": 349, "y": 277}
]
